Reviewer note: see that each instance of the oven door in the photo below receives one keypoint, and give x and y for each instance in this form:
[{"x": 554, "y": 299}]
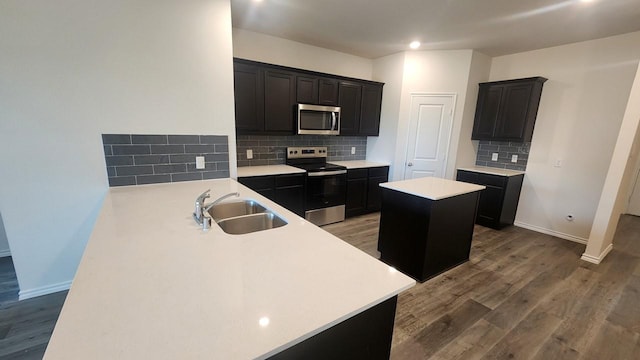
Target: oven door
[{"x": 326, "y": 189}]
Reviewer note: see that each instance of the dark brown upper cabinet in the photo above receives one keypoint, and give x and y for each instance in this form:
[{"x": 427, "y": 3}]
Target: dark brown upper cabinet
[
  {"x": 370, "y": 110},
  {"x": 507, "y": 110},
  {"x": 266, "y": 96},
  {"x": 349, "y": 100}
]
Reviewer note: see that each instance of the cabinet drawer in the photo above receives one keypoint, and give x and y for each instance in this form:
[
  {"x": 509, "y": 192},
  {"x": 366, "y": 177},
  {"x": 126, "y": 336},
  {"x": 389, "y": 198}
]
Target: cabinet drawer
[
  {"x": 493, "y": 180},
  {"x": 379, "y": 171},
  {"x": 357, "y": 173},
  {"x": 289, "y": 180},
  {"x": 258, "y": 182},
  {"x": 467, "y": 176}
]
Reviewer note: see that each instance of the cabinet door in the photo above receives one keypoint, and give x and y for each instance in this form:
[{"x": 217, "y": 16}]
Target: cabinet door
[
  {"x": 512, "y": 119},
  {"x": 370, "y": 110},
  {"x": 249, "y": 98},
  {"x": 263, "y": 185},
  {"x": 490, "y": 205},
  {"x": 328, "y": 92},
  {"x": 356, "y": 197},
  {"x": 487, "y": 110},
  {"x": 374, "y": 193},
  {"x": 306, "y": 90},
  {"x": 279, "y": 100},
  {"x": 349, "y": 95}
]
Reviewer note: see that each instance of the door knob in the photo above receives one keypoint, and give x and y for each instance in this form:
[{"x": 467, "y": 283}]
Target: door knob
[{"x": 410, "y": 164}]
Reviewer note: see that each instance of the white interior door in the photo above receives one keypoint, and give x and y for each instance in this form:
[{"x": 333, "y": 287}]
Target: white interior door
[{"x": 430, "y": 123}]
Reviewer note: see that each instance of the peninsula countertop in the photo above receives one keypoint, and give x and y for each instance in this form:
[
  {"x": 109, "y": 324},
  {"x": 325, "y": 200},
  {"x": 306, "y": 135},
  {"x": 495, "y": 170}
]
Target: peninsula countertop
[
  {"x": 152, "y": 284},
  {"x": 432, "y": 188},
  {"x": 492, "y": 170}
]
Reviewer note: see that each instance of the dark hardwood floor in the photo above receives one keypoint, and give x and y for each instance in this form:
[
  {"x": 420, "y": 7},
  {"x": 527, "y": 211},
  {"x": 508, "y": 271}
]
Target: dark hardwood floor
[{"x": 522, "y": 295}]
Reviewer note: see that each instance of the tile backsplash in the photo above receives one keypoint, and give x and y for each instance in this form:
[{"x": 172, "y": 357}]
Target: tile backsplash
[
  {"x": 148, "y": 159},
  {"x": 271, "y": 150},
  {"x": 505, "y": 150}
]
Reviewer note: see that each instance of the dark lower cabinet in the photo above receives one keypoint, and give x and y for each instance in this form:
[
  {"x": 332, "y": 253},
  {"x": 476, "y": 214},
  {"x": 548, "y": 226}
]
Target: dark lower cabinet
[
  {"x": 286, "y": 190},
  {"x": 499, "y": 201},
  {"x": 366, "y": 335},
  {"x": 363, "y": 190}
]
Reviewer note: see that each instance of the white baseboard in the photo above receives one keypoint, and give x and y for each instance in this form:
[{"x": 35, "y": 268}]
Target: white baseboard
[
  {"x": 5, "y": 253},
  {"x": 552, "y": 232},
  {"x": 597, "y": 259},
  {"x": 44, "y": 290}
]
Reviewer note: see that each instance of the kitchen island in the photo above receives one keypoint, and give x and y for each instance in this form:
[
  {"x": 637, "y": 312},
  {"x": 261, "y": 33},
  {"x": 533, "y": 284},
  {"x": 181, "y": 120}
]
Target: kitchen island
[
  {"x": 426, "y": 224},
  {"x": 153, "y": 285}
]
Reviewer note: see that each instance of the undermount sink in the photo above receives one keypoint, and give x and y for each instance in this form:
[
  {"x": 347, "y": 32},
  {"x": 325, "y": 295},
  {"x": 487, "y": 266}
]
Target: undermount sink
[
  {"x": 235, "y": 208},
  {"x": 251, "y": 223},
  {"x": 244, "y": 216}
]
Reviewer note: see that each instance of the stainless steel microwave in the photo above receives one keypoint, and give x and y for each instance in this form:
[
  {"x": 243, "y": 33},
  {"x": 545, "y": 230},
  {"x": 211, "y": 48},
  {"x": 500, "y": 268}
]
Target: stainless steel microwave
[{"x": 318, "y": 120}]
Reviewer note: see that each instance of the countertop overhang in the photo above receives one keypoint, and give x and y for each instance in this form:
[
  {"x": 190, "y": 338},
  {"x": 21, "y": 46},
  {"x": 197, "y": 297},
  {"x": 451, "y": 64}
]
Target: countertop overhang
[
  {"x": 432, "y": 188},
  {"x": 152, "y": 284}
]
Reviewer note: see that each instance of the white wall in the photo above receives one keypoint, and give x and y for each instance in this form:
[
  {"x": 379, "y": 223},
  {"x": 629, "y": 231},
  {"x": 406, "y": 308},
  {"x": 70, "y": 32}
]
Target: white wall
[
  {"x": 4, "y": 243},
  {"x": 70, "y": 71},
  {"x": 479, "y": 72},
  {"x": 579, "y": 117},
  {"x": 620, "y": 177},
  {"x": 259, "y": 47},
  {"x": 390, "y": 70}
]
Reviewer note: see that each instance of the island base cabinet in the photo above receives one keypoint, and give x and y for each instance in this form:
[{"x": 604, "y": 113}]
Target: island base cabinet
[
  {"x": 423, "y": 237},
  {"x": 364, "y": 336}
]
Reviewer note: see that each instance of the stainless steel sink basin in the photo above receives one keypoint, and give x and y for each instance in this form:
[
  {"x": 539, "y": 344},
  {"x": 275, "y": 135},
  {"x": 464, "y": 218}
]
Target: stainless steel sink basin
[
  {"x": 235, "y": 208},
  {"x": 251, "y": 223}
]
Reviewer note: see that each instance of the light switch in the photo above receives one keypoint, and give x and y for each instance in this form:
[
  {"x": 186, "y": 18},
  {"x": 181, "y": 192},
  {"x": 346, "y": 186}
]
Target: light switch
[
  {"x": 494, "y": 157},
  {"x": 199, "y": 162},
  {"x": 249, "y": 154},
  {"x": 353, "y": 150},
  {"x": 514, "y": 158}
]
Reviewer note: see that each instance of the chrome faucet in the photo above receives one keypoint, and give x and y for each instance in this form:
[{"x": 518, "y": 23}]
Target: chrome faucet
[{"x": 201, "y": 209}]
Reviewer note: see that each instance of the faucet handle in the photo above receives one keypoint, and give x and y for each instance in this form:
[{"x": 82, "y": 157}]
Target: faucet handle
[{"x": 204, "y": 195}]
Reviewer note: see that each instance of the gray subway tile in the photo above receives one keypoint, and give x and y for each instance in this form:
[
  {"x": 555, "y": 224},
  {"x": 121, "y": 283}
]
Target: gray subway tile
[
  {"x": 182, "y": 158},
  {"x": 214, "y": 139},
  {"x": 130, "y": 149},
  {"x": 108, "y": 139},
  {"x": 186, "y": 177},
  {"x": 167, "y": 149},
  {"x": 111, "y": 171},
  {"x": 199, "y": 149},
  {"x": 148, "y": 139},
  {"x": 168, "y": 169},
  {"x": 122, "y": 180},
  {"x": 153, "y": 179},
  {"x": 134, "y": 170},
  {"x": 119, "y": 160},
  {"x": 223, "y": 166},
  {"x": 207, "y": 167},
  {"x": 184, "y": 139},
  {"x": 107, "y": 150},
  {"x": 218, "y": 157},
  {"x": 215, "y": 174},
  {"x": 151, "y": 159}
]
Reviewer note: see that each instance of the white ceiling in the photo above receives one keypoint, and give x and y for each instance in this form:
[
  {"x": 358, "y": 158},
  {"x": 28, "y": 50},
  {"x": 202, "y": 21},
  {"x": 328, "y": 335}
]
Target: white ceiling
[{"x": 375, "y": 28}]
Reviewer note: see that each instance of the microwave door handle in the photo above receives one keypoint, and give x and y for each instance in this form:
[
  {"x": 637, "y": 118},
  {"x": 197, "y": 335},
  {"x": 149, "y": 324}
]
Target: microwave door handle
[{"x": 333, "y": 120}]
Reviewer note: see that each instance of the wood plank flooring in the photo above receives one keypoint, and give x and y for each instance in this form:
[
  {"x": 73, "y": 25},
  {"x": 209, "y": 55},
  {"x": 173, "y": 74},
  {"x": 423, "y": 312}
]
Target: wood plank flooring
[{"x": 522, "y": 295}]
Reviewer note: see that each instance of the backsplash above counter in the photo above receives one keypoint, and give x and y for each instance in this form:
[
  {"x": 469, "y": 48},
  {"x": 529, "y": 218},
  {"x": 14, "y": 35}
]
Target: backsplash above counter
[
  {"x": 271, "y": 150},
  {"x": 505, "y": 151}
]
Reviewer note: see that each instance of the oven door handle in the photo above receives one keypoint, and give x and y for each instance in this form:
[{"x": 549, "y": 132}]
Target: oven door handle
[{"x": 327, "y": 173}]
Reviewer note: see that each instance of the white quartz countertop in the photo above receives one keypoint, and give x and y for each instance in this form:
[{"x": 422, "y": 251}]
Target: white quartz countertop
[
  {"x": 264, "y": 170},
  {"x": 492, "y": 170},
  {"x": 358, "y": 164},
  {"x": 153, "y": 285},
  {"x": 432, "y": 188}
]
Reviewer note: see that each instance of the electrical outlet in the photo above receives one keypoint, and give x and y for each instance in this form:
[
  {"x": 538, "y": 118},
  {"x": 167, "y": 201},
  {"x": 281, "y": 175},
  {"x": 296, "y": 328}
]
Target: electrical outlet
[
  {"x": 199, "y": 162},
  {"x": 514, "y": 158},
  {"x": 249, "y": 154},
  {"x": 494, "y": 157},
  {"x": 353, "y": 150}
]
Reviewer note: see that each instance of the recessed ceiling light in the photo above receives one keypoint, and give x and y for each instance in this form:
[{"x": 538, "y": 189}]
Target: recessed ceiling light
[{"x": 414, "y": 44}]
